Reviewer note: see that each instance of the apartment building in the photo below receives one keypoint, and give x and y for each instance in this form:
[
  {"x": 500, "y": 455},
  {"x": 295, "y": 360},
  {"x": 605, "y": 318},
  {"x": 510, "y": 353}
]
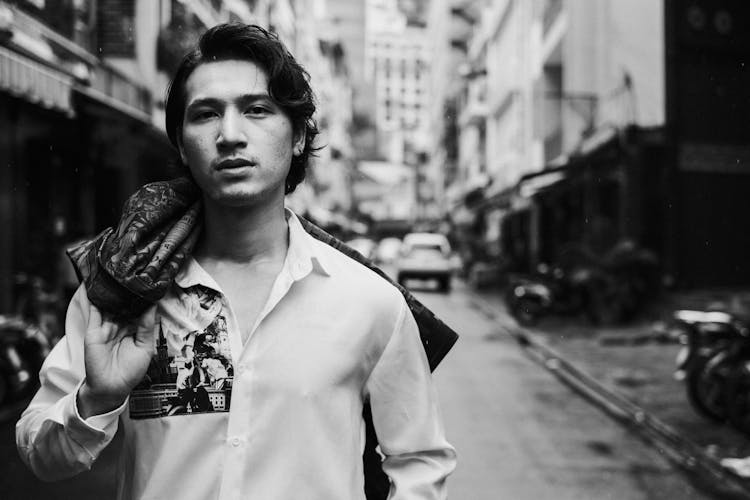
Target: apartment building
[
  {"x": 398, "y": 55},
  {"x": 545, "y": 82}
]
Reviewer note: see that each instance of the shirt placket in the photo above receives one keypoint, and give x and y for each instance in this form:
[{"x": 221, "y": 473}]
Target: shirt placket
[{"x": 238, "y": 438}]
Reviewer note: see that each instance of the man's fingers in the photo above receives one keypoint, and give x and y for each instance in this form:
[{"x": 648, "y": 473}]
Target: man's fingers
[
  {"x": 141, "y": 330},
  {"x": 100, "y": 328},
  {"x": 145, "y": 329}
]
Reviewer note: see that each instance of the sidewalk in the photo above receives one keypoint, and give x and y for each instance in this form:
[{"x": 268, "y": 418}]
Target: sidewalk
[{"x": 633, "y": 364}]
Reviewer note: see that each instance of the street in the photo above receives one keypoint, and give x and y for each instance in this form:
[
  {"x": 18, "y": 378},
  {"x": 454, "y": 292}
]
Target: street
[
  {"x": 554, "y": 152},
  {"x": 519, "y": 433}
]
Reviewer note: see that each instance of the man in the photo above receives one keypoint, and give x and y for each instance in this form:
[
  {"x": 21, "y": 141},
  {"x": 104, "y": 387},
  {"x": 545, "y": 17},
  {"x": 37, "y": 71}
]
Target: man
[{"x": 311, "y": 335}]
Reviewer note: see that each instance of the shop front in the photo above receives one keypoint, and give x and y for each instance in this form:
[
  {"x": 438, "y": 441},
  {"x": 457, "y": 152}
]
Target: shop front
[
  {"x": 608, "y": 194},
  {"x": 71, "y": 151}
]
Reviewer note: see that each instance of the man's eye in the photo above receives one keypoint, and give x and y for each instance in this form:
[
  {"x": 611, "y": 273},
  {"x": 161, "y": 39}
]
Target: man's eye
[
  {"x": 257, "y": 110},
  {"x": 203, "y": 115}
]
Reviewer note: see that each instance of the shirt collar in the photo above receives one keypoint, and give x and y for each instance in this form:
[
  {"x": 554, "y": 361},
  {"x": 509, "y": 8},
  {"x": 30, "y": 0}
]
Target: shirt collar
[
  {"x": 304, "y": 256},
  {"x": 305, "y": 252}
]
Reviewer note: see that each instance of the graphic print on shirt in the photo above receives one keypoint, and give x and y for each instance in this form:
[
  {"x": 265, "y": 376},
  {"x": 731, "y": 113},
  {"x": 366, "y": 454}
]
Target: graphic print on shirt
[{"x": 191, "y": 371}]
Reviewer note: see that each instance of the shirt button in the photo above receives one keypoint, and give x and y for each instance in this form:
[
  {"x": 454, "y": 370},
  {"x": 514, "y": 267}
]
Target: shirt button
[{"x": 236, "y": 442}]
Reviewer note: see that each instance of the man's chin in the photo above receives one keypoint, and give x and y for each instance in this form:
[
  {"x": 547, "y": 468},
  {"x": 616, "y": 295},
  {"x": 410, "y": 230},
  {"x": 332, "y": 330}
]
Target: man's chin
[{"x": 237, "y": 198}]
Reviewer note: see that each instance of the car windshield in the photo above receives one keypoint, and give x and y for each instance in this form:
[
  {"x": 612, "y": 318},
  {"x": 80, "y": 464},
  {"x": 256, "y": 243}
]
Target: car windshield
[
  {"x": 427, "y": 240},
  {"x": 427, "y": 246},
  {"x": 426, "y": 252}
]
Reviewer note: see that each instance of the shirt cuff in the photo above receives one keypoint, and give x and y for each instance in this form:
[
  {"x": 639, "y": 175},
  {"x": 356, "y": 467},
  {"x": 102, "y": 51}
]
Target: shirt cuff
[{"x": 89, "y": 432}]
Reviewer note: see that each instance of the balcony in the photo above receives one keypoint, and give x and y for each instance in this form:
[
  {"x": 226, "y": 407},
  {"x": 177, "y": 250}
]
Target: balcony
[
  {"x": 473, "y": 103},
  {"x": 43, "y": 66}
]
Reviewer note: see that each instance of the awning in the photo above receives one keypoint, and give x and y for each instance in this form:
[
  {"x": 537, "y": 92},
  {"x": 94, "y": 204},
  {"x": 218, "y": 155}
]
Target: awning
[
  {"x": 35, "y": 82},
  {"x": 544, "y": 180},
  {"x": 109, "y": 104}
]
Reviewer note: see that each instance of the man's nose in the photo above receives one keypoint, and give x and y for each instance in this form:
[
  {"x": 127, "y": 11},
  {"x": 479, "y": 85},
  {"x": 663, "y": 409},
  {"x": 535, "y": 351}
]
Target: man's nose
[{"x": 231, "y": 132}]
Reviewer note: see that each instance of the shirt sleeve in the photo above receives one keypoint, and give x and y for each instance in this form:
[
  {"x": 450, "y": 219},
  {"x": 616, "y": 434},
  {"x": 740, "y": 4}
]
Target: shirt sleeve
[
  {"x": 407, "y": 419},
  {"x": 52, "y": 437}
]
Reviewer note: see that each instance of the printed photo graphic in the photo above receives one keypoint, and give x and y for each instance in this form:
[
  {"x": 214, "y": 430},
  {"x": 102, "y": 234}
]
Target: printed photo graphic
[{"x": 195, "y": 378}]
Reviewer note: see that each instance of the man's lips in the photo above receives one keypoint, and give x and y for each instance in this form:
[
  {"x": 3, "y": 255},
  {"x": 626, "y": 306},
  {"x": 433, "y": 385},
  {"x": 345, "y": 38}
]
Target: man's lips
[{"x": 233, "y": 163}]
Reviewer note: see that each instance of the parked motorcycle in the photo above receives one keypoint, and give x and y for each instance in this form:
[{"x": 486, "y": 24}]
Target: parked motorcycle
[
  {"x": 621, "y": 280},
  {"x": 551, "y": 291},
  {"x": 606, "y": 289},
  {"x": 715, "y": 350},
  {"x": 23, "y": 348},
  {"x": 635, "y": 276}
]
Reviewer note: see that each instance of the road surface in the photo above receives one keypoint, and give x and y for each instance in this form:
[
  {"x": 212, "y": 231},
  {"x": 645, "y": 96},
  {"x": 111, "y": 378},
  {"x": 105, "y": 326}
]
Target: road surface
[{"x": 522, "y": 435}]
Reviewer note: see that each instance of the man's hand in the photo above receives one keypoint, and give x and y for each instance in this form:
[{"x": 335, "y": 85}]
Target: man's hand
[{"x": 116, "y": 358}]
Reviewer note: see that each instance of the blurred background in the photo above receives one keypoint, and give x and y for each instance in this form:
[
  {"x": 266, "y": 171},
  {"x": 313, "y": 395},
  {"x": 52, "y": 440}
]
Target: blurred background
[{"x": 570, "y": 169}]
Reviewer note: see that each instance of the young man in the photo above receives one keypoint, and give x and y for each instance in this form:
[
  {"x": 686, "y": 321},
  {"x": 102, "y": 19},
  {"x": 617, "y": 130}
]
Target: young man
[{"x": 308, "y": 336}]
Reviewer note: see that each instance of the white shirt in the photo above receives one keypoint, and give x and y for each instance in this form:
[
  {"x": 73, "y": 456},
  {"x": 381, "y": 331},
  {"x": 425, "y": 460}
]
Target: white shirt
[{"x": 287, "y": 422}]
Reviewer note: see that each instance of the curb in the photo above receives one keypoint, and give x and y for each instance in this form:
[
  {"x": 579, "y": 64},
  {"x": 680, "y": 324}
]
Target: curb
[{"x": 682, "y": 452}]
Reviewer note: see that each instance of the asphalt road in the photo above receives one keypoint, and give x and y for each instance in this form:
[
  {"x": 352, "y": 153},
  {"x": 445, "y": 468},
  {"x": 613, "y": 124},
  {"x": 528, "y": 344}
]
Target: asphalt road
[{"x": 519, "y": 433}]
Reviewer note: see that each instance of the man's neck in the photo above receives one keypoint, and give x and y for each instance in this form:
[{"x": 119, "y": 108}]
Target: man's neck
[{"x": 243, "y": 234}]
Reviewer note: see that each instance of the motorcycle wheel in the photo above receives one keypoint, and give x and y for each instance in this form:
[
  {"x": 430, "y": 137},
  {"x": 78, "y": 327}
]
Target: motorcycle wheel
[
  {"x": 526, "y": 312},
  {"x": 706, "y": 385},
  {"x": 738, "y": 398}
]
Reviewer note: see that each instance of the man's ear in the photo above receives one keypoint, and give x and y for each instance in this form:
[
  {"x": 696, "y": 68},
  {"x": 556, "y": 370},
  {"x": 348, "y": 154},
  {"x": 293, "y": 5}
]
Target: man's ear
[{"x": 299, "y": 142}]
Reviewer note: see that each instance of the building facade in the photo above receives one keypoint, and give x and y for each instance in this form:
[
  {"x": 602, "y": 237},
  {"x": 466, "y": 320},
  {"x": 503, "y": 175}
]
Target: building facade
[
  {"x": 546, "y": 82},
  {"x": 82, "y": 87}
]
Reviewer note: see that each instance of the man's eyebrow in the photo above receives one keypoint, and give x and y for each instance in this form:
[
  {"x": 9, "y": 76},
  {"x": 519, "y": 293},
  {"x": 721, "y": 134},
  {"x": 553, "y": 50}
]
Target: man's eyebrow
[
  {"x": 254, "y": 97},
  {"x": 212, "y": 101}
]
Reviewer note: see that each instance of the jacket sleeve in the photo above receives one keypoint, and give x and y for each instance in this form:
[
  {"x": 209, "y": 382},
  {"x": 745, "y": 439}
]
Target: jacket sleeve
[
  {"x": 52, "y": 438},
  {"x": 407, "y": 419}
]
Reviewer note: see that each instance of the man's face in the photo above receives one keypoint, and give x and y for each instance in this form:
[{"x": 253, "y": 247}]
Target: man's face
[{"x": 236, "y": 141}]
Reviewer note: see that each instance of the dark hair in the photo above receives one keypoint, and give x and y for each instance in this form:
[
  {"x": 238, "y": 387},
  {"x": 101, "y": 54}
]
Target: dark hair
[{"x": 288, "y": 83}]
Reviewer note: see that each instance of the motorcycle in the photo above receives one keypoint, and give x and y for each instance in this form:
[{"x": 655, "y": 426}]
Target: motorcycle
[
  {"x": 551, "y": 291},
  {"x": 715, "y": 349},
  {"x": 635, "y": 277},
  {"x": 23, "y": 348},
  {"x": 623, "y": 279},
  {"x": 607, "y": 289}
]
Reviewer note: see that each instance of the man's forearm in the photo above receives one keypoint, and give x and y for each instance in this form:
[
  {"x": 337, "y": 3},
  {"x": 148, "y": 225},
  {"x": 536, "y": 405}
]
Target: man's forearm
[
  {"x": 56, "y": 442},
  {"x": 52, "y": 437}
]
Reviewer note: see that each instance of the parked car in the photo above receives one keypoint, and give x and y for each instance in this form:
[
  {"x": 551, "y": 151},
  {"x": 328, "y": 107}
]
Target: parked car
[{"x": 425, "y": 256}]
